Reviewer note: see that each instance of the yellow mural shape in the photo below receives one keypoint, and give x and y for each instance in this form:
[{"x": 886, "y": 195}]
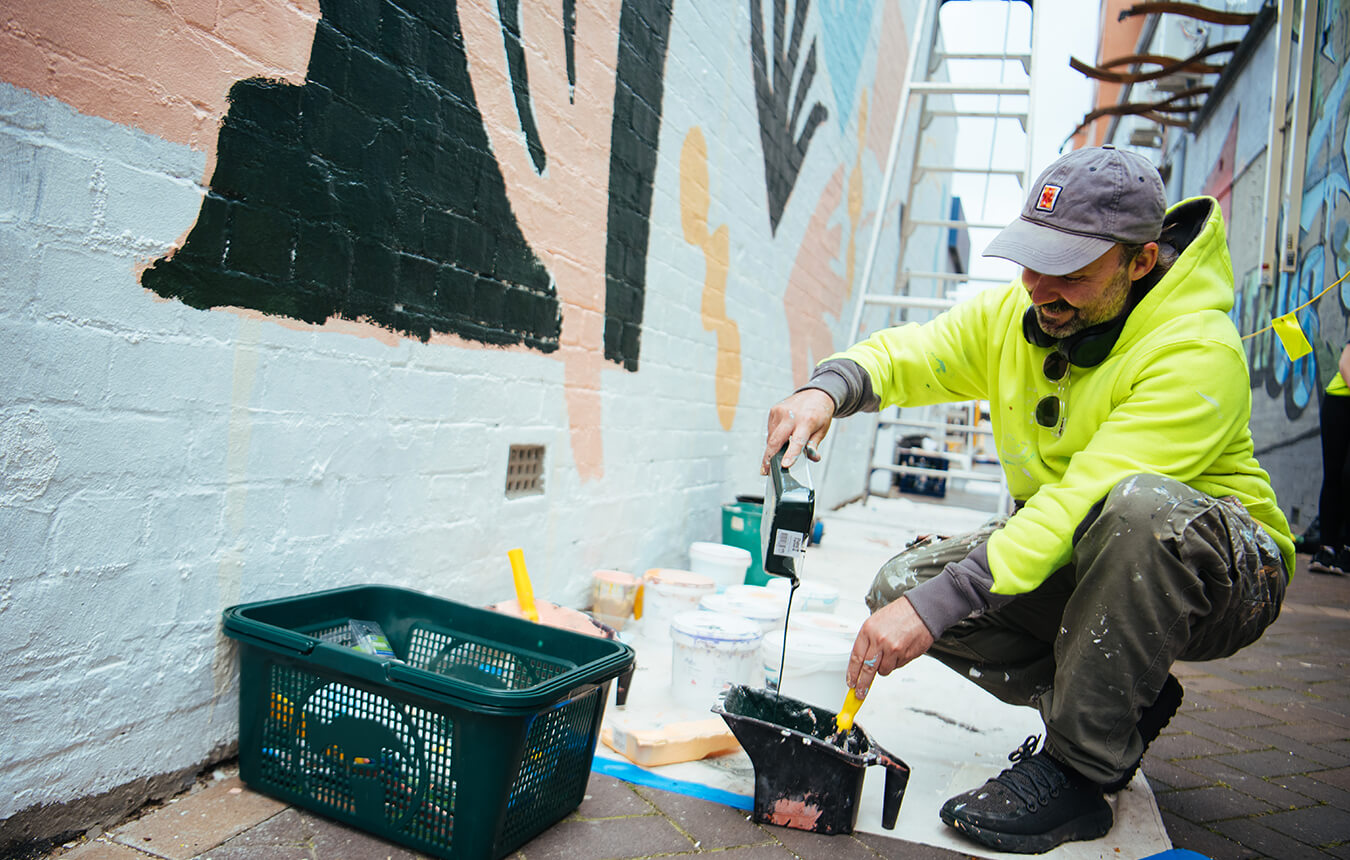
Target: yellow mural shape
[{"x": 695, "y": 199}]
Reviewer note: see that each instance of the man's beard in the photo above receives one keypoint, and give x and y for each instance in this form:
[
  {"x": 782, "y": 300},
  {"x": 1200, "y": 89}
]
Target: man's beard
[{"x": 1059, "y": 319}]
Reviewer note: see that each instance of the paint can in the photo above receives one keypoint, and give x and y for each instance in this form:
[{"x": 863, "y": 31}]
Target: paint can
[
  {"x": 762, "y": 606},
  {"x": 613, "y": 596},
  {"x": 813, "y": 667},
  {"x": 666, "y": 592},
  {"x": 725, "y": 564},
  {"x": 710, "y": 651},
  {"x": 811, "y": 596}
]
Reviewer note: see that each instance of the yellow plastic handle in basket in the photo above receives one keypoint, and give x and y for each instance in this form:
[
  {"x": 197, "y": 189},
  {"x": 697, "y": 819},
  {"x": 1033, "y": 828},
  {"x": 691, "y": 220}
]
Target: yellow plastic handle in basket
[{"x": 524, "y": 591}]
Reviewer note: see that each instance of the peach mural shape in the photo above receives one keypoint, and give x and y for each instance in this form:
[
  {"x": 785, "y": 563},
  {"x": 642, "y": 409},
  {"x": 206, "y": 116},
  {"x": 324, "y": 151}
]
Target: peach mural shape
[
  {"x": 563, "y": 210},
  {"x": 162, "y": 66},
  {"x": 695, "y": 200},
  {"x": 816, "y": 288}
]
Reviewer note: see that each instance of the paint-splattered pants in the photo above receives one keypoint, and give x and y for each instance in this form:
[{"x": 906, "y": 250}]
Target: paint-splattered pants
[{"x": 1159, "y": 573}]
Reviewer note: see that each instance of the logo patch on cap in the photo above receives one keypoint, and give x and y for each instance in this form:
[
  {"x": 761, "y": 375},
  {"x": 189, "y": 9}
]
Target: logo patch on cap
[{"x": 1049, "y": 195}]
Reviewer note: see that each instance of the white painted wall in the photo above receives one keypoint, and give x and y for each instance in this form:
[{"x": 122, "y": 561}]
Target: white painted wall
[{"x": 161, "y": 463}]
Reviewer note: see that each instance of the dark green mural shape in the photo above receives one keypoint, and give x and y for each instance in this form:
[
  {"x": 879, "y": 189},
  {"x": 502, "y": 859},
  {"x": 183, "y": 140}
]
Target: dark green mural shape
[
  {"x": 776, "y": 79},
  {"x": 644, "y": 30},
  {"x": 371, "y": 193},
  {"x": 509, "y": 12}
]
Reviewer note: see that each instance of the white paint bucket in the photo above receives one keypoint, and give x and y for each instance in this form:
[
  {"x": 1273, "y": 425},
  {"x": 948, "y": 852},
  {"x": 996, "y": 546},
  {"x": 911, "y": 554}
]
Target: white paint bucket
[
  {"x": 725, "y": 564},
  {"x": 755, "y": 602},
  {"x": 811, "y": 596},
  {"x": 709, "y": 652},
  {"x": 813, "y": 668},
  {"x": 666, "y": 592}
]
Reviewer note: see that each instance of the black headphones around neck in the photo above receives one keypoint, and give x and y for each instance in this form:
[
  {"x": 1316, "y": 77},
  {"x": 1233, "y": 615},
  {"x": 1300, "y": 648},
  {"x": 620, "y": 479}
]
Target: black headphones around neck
[{"x": 1086, "y": 348}]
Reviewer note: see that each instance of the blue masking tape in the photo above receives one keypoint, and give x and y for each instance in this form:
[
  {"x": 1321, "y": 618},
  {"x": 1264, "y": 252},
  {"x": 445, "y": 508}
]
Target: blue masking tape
[{"x": 629, "y": 772}]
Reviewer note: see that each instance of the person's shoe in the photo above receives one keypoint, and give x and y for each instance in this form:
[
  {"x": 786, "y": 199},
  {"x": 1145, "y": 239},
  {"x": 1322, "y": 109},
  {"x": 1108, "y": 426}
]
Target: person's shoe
[
  {"x": 1031, "y": 807},
  {"x": 1328, "y": 560},
  {"x": 1152, "y": 720}
]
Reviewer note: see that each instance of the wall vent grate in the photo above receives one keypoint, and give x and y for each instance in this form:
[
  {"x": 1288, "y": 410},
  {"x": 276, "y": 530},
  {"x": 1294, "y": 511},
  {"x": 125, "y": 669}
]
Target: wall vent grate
[{"x": 525, "y": 471}]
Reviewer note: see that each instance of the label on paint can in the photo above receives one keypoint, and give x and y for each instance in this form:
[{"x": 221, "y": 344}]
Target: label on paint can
[{"x": 789, "y": 543}]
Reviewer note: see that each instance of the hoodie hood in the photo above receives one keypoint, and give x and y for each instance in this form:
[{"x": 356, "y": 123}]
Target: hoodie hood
[{"x": 1200, "y": 279}]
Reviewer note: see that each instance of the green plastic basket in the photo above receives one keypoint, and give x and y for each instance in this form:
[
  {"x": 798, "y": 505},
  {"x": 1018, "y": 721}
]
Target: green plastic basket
[{"x": 477, "y": 743}]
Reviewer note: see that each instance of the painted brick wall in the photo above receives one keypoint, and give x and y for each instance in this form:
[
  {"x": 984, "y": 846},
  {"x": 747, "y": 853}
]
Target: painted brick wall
[
  {"x": 1227, "y": 157},
  {"x": 285, "y": 280}
]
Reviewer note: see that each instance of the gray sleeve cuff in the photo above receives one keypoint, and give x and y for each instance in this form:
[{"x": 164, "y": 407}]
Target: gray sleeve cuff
[
  {"x": 847, "y": 384},
  {"x": 962, "y": 590}
]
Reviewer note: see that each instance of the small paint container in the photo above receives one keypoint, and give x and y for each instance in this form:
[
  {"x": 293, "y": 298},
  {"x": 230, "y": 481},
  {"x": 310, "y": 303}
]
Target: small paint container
[
  {"x": 710, "y": 651},
  {"x": 666, "y": 592},
  {"x": 613, "y": 596},
  {"x": 725, "y": 564}
]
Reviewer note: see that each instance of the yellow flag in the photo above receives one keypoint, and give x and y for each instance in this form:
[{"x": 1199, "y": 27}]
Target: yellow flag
[{"x": 1291, "y": 336}]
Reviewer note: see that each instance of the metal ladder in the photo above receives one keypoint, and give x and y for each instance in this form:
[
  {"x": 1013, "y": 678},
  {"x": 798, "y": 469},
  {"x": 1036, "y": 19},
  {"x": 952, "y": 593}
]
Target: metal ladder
[{"x": 925, "y": 290}]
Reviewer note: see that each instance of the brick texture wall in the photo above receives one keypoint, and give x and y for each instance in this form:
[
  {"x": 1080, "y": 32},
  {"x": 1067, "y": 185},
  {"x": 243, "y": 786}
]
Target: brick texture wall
[{"x": 284, "y": 281}]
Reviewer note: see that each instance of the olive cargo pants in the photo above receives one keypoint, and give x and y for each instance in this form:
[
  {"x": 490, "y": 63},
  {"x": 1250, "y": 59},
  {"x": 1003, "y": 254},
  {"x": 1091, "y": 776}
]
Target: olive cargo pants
[{"x": 1160, "y": 572}]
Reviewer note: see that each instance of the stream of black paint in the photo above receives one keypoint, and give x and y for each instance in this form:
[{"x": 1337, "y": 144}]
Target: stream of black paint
[{"x": 782, "y": 656}]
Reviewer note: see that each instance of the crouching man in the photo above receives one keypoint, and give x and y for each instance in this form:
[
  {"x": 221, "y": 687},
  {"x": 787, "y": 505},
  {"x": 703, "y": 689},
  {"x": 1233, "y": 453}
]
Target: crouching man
[{"x": 1144, "y": 530}]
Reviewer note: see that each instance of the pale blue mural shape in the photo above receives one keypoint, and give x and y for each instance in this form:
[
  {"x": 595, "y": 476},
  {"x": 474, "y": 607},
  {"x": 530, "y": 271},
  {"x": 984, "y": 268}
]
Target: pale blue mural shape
[
  {"x": 1326, "y": 193},
  {"x": 845, "y": 25}
]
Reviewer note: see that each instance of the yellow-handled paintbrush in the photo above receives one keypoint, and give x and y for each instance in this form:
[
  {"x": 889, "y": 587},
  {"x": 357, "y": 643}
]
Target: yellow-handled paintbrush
[
  {"x": 843, "y": 721},
  {"x": 524, "y": 591}
]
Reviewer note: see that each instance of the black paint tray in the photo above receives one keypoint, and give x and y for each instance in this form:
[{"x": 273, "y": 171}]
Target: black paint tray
[{"x": 803, "y": 779}]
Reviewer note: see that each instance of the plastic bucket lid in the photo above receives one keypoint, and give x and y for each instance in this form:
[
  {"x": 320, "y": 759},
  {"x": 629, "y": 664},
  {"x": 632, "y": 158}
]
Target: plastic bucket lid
[
  {"x": 761, "y": 595},
  {"x": 678, "y": 581},
  {"x": 615, "y": 577},
  {"x": 813, "y": 595},
  {"x": 765, "y": 612},
  {"x": 719, "y": 627},
  {"x": 720, "y": 552},
  {"x": 826, "y": 622}
]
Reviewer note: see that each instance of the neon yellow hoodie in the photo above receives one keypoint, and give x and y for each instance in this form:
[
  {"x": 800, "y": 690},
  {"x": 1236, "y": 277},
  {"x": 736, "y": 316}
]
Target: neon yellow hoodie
[{"x": 1173, "y": 398}]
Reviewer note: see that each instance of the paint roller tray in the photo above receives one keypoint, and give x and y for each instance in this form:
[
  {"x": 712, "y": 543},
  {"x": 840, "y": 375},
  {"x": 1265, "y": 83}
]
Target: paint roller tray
[
  {"x": 804, "y": 778},
  {"x": 479, "y": 739}
]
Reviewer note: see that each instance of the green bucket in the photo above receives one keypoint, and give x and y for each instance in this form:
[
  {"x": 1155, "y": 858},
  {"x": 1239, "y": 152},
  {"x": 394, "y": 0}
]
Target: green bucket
[{"x": 740, "y": 527}]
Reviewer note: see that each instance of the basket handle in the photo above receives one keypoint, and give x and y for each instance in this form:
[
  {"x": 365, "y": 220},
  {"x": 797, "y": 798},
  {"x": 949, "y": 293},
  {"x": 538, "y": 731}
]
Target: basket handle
[
  {"x": 399, "y": 672},
  {"x": 268, "y": 635}
]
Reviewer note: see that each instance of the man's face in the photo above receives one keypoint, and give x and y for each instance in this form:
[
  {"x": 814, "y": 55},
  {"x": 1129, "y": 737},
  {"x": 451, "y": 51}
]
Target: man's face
[{"x": 1067, "y": 304}]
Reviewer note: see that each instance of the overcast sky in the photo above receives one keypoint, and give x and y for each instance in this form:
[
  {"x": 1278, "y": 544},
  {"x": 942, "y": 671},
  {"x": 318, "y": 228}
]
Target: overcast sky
[{"x": 1062, "y": 97}]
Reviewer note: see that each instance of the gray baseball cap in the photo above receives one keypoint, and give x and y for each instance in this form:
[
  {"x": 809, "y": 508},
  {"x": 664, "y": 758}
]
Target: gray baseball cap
[{"x": 1080, "y": 206}]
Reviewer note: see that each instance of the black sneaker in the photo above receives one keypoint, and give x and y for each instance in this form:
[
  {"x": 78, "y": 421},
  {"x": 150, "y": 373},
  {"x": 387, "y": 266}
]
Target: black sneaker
[
  {"x": 1327, "y": 560},
  {"x": 1031, "y": 807},
  {"x": 1152, "y": 721}
]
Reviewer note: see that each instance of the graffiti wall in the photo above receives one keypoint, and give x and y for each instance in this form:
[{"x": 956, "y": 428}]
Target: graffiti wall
[
  {"x": 1228, "y": 159},
  {"x": 286, "y": 281}
]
